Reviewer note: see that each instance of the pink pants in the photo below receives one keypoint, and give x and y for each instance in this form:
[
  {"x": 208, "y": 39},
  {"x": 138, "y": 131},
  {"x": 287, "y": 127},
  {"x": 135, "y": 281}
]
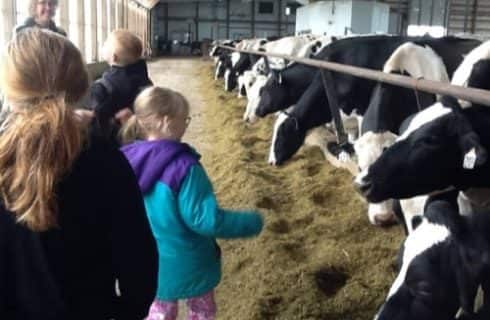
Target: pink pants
[{"x": 199, "y": 308}]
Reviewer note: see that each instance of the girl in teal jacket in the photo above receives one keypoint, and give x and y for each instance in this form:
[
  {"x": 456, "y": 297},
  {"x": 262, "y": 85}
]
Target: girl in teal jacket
[{"x": 181, "y": 206}]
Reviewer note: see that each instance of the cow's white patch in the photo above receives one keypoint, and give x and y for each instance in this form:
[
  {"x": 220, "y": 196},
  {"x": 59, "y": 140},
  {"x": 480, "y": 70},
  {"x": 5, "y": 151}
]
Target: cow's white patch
[
  {"x": 218, "y": 66},
  {"x": 227, "y": 79},
  {"x": 241, "y": 84},
  {"x": 462, "y": 74},
  {"x": 371, "y": 145},
  {"x": 470, "y": 159},
  {"x": 421, "y": 239},
  {"x": 235, "y": 57},
  {"x": 433, "y": 112},
  {"x": 412, "y": 207},
  {"x": 280, "y": 119},
  {"x": 380, "y": 211},
  {"x": 418, "y": 61},
  {"x": 254, "y": 98},
  {"x": 360, "y": 177}
]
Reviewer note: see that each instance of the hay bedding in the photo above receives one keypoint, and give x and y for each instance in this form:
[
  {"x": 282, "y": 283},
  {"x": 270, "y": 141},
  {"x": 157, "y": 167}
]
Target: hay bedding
[{"x": 317, "y": 257}]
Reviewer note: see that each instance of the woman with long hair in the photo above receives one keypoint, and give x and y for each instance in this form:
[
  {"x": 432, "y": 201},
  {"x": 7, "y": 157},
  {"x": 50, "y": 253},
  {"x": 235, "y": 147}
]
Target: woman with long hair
[{"x": 72, "y": 221}]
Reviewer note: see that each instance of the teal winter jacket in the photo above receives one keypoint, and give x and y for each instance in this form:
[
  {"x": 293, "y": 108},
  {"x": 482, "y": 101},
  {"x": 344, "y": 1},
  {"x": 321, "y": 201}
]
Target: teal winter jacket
[{"x": 185, "y": 217}]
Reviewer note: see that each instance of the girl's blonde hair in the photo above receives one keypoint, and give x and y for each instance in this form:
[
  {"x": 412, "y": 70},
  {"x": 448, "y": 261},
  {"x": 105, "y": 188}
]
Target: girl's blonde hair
[
  {"x": 33, "y": 4},
  {"x": 41, "y": 74},
  {"x": 150, "y": 106}
]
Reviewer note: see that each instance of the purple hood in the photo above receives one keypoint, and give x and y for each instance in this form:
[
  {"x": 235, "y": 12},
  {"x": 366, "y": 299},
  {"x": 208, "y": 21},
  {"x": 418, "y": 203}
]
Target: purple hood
[{"x": 161, "y": 160}]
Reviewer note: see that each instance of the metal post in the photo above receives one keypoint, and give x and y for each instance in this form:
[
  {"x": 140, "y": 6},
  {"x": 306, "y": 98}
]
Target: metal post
[
  {"x": 466, "y": 15},
  {"x": 165, "y": 16},
  {"x": 473, "y": 16},
  {"x": 431, "y": 12},
  {"x": 197, "y": 21},
  {"x": 447, "y": 12},
  {"x": 334, "y": 106},
  {"x": 419, "y": 16},
  {"x": 252, "y": 13},
  {"x": 228, "y": 19},
  {"x": 279, "y": 18}
]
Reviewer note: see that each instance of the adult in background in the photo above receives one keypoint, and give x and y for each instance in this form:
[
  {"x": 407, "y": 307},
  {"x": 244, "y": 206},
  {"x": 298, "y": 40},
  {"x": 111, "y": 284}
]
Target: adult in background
[
  {"x": 72, "y": 219},
  {"x": 41, "y": 14}
]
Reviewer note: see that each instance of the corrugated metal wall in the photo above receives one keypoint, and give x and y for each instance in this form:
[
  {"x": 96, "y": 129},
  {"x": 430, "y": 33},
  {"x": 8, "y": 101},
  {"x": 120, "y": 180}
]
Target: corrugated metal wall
[{"x": 469, "y": 16}]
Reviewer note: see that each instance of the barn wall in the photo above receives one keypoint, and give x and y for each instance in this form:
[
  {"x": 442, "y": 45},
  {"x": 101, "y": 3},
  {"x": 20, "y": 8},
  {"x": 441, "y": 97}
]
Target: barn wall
[{"x": 209, "y": 20}]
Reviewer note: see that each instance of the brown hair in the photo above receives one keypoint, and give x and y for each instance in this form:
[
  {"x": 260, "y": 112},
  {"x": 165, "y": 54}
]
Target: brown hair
[
  {"x": 33, "y": 4},
  {"x": 150, "y": 106},
  {"x": 125, "y": 45},
  {"x": 41, "y": 75}
]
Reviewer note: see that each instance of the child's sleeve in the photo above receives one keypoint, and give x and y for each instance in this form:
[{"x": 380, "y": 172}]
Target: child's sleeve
[
  {"x": 101, "y": 102},
  {"x": 201, "y": 213}
]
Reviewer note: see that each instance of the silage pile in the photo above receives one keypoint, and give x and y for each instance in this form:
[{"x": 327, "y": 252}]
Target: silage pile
[{"x": 318, "y": 257}]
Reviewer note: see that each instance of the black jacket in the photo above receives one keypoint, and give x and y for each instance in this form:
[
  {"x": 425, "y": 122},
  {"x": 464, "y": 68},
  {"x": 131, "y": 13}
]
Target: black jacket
[
  {"x": 30, "y": 22},
  {"x": 117, "y": 90},
  {"x": 69, "y": 272}
]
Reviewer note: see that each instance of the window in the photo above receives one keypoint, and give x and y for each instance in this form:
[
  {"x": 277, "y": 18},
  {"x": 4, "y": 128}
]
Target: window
[
  {"x": 266, "y": 7},
  {"x": 21, "y": 11},
  {"x": 292, "y": 8}
]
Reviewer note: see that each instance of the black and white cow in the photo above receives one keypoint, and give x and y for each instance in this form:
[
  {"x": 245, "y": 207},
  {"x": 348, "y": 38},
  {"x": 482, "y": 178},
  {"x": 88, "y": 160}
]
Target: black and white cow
[
  {"x": 441, "y": 265},
  {"x": 283, "y": 88},
  {"x": 290, "y": 78},
  {"x": 298, "y": 46},
  {"x": 390, "y": 105},
  {"x": 448, "y": 151},
  {"x": 443, "y": 146},
  {"x": 240, "y": 62},
  {"x": 312, "y": 109}
]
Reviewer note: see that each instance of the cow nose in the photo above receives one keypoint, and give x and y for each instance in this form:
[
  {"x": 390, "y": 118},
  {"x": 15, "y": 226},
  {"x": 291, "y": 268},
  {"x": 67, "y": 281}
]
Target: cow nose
[{"x": 362, "y": 186}]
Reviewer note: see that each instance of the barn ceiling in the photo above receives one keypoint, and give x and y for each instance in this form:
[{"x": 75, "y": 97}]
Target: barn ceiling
[{"x": 148, "y": 3}]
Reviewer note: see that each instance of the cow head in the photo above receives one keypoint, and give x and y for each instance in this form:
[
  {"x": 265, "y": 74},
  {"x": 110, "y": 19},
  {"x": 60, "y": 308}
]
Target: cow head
[
  {"x": 442, "y": 263},
  {"x": 273, "y": 95},
  {"x": 231, "y": 79},
  {"x": 287, "y": 138},
  {"x": 221, "y": 66},
  {"x": 429, "y": 156},
  {"x": 253, "y": 95},
  {"x": 368, "y": 148}
]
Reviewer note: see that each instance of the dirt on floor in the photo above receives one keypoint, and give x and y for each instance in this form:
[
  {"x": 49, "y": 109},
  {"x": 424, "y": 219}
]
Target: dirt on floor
[{"x": 317, "y": 257}]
